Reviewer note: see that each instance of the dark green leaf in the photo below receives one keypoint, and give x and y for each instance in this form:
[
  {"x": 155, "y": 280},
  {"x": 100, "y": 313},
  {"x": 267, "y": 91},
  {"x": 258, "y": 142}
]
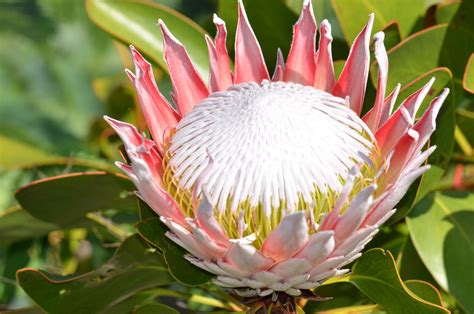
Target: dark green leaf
[
  {"x": 392, "y": 35},
  {"x": 425, "y": 291},
  {"x": 375, "y": 274},
  {"x": 133, "y": 268},
  {"x": 64, "y": 200},
  {"x": 135, "y": 22},
  {"x": 153, "y": 230},
  {"x": 17, "y": 224},
  {"x": 446, "y": 247}
]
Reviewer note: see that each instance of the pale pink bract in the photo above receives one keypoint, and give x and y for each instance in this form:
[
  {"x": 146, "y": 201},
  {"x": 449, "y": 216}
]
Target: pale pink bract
[{"x": 274, "y": 184}]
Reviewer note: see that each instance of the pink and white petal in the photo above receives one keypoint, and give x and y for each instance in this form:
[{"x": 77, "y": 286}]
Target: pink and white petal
[
  {"x": 389, "y": 104},
  {"x": 267, "y": 277},
  {"x": 220, "y": 76},
  {"x": 249, "y": 62},
  {"x": 209, "y": 245},
  {"x": 320, "y": 245},
  {"x": 300, "y": 64},
  {"x": 158, "y": 113},
  {"x": 287, "y": 238},
  {"x": 228, "y": 282},
  {"x": 329, "y": 220},
  {"x": 353, "y": 79},
  {"x": 291, "y": 267},
  {"x": 413, "y": 102},
  {"x": 328, "y": 264},
  {"x": 427, "y": 124},
  {"x": 188, "y": 86},
  {"x": 247, "y": 258},
  {"x": 355, "y": 214},
  {"x": 324, "y": 69},
  {"x": 185, "y": 239},
  {"x": 207, "y": 221},
  {"x": 131, "y": 138},
  {"x": 151, "y": 192},
  {"x": 355, "y": 240},
  {"x": 397, "y": 191},
  {"x": 393, "y": 130},
  {"x": 372, "y": 118},
  {"x": 402, "y": 153}
]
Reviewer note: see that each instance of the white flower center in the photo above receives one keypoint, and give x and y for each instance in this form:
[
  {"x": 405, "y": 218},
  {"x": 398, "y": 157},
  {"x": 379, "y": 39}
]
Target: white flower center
[{"x": 273, "y": 144}]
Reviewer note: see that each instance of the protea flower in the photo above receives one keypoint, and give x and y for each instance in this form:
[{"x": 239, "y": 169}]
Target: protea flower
[{"x": 274, "y": 184}]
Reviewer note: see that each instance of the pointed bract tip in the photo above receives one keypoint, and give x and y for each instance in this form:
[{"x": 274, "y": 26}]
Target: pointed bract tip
[
  {"x": 379, "y": 36},
  {"x": 217, "y": 20},
  {"x": 130, "y": 75}
]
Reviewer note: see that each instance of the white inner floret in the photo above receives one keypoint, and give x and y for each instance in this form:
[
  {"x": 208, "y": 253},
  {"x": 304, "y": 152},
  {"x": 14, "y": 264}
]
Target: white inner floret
[{"x": 272, "y": 145}]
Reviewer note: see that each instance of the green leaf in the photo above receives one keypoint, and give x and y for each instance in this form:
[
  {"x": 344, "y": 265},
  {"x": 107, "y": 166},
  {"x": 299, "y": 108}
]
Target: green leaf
[
  {"x": 17, "y": 224},
  {"x": 446, "y": 247},
  {"x": 273, "y": 30},
  {"x": 16, "y": 154},
  {"x": 446, "y": 11},
  {"x": 354, "y": 14},
  {"x": 392, "y": 35},
  {"x": 468, "y": 79},
  {"x": 133, "y": 268},
  {"x": 64, "y": 200},
  {"x": 135, "y": 22},
  {"x": 153, "y": 308},
  {"x": 410, "y": 265},
  {"x": 425, "y": 291},
  {"x": 153, "y": 230},
  {"x": 375, "y": 274}
]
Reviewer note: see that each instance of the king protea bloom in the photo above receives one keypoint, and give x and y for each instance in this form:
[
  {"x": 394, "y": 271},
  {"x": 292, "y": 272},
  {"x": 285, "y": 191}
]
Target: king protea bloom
[{"x": 274, "y": 183}]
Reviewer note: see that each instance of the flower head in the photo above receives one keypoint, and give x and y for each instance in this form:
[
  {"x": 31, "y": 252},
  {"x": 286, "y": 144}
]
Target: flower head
[{"x": 275, "y": 183}]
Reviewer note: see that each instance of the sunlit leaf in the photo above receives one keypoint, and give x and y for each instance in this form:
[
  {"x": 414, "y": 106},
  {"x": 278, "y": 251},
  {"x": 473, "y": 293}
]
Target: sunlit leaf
[
  {"x": 14, "y": 154},
  {"x": 446, "y": 246},
  {"x": 135, "y": 22},
  {"x": 64, "y": 200},
  {"x": 354, "y": 14}
]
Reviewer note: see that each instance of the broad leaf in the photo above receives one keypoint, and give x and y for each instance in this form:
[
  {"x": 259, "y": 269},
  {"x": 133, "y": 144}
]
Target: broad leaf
[
  {"x": 446, "y": 246},
  {"x": 64, "y": 200},
  {"x": 375, "y": 274},
  {"x": 133, "y": 268},
  {"x": 154, "y": 231},
  {"x": 425, "y": 291},
  {"x": 15, "y": 154},
  {"x": 17, "y": 224},
  {"x": 354, "y": 14},
  {"x": 135, "y": 22},
  {"x": 468, "y": 79}
]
